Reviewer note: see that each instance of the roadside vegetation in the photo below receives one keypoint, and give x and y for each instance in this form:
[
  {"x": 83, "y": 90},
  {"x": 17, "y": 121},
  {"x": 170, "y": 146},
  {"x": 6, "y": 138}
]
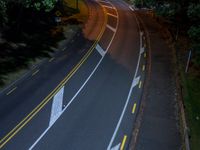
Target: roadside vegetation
[
  {"x": 29, "y": 32},
  {"x": 182, "y": 18}
]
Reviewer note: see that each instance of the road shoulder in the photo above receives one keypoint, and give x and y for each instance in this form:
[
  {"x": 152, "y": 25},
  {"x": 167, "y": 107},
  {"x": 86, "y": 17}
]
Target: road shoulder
[{"x": 160, "y": 127}]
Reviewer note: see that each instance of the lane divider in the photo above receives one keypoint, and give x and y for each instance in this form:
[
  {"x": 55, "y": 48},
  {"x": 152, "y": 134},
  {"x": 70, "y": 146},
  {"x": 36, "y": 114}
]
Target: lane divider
[
  {"x": 100, "y": 50},
  {"x": 143, "y": 68},
  {"x": 145, "y": 55},
  {"x": 22, "y": 123},
  {"x": 50, "y": 60},
  {"x": 104, "y": 1},
  {"x": 12, "y": 90},
  {"x": 140, "y": 84},
  {"x": 131, "y": 88},
  {"x": 107, "y": 6},
  {"x": 109, "y": 14},
  {"x": 145, "y": 45},
  {"x": 80, "y": 89},
  {"x": 111, "y": 28},
  {"x": 134, "y": 108},
  {"x": 34, "y": 73},
  {"x": 123, "y": 142},
  {"x": 142, "y": 50}
]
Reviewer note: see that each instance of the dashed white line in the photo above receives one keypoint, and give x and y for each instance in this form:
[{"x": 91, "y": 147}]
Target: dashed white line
[
  {"x": 131, "y": 8},
  {"x": 107, "y": 6},
  {"x": 104, "y": 1},
  {"x": 141, "y": 50},
  {"x": 136, "y": 81},
  {"x": 111, "y": 28},
  {"x": 100, "y": 50},
  {"x": 112, "y": 15}
]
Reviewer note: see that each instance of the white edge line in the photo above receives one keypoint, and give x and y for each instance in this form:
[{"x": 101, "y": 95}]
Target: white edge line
[
  {"x": 116, "y": 147},
  {"x": 42, "y": 135},
  {"x": 128, "y": 98}
]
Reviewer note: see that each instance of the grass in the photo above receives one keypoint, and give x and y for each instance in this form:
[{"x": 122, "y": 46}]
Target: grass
[
  {"x": 191, "y": 93},
  {"x": 192, "y": 102}
]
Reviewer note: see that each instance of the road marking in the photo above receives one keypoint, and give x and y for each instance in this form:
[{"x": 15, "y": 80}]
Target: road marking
[
  {"x": 141, "y": 42},
  {"x": 50, "y": 60},
  {"x": 112, "y": 15},
  {"x": 134, "y": 108},
  {"x": 34, "y": 73},
  {"x": 73, "y": 98},
  {"x": 56, "y": 108},
  {"x": 12, "y": 90},
  {"x": 104, "y": 1},
  {"x": 144, "y": 38},
  {"x": 142, "y": 50},
  {"x": 106, "y": 6},
  {"x": 135, "y": 81},
  {"x": 111, "y": 28},
  {"x": 145, "y": 55},
  {"x": 143, "y": 68},
  {"x": 100, "y": 50},
  {"x": 42, "y": 135},
  {"x": 128, "y": 97},
  {"x": 145, "y": 45},
  {"x": 140, "y": 84},
  {"x": 20, "y": 125},
  {"x": 131, "y": 8},
  {"x": 116, "y": 147},
  {"x": 123, "y": 142}
]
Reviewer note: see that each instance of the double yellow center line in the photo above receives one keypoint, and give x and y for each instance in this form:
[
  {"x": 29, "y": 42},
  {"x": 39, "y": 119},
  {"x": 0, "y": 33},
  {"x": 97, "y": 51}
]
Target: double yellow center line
[{"x": 20, "y": 125}]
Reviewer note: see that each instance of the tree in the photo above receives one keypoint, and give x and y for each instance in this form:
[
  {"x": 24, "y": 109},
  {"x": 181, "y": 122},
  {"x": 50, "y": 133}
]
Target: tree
[
  {"x": 3, "y": 14},
  {"x": 194, "y": 31},
  {"x": 40, "y": 5}
]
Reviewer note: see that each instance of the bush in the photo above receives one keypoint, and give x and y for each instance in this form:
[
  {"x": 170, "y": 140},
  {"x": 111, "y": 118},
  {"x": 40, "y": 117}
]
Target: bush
[{"x": 3, "y": 14}]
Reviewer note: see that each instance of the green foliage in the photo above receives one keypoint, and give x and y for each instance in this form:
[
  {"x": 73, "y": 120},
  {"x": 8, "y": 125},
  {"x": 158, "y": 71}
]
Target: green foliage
[
  {"x": 39, "y": 5},
  {"x": 136, "y": 2},
  {"x": 194, "y": 33},
  {"x": 194, "y": 12},
  {"x": 3, "y": 14},
  {"x": 168, "y": 9}
]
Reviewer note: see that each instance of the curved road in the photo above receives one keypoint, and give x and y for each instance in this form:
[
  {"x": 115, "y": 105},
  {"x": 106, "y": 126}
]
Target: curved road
[{"x": 86, "y": 96}]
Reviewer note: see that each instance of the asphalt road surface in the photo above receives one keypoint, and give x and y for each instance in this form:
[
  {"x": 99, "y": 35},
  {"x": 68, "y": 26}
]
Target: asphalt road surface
[{"x": 86, "y": 97}]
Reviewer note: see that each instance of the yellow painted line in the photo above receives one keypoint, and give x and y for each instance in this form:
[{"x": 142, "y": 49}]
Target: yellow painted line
[
  {"x": 143, "y": 68},
  {"x": 123, "y": 142},
  {"x": 140, "y": 84},
  {"x": 34, "y": 73},
  {"x": 134, "y": 108},
  {"x": 50, "y": 60},
  {"x": 145, "y": 55},
  {"x": 21, "y": 124},
  {"x": 11, "y": 91}
]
